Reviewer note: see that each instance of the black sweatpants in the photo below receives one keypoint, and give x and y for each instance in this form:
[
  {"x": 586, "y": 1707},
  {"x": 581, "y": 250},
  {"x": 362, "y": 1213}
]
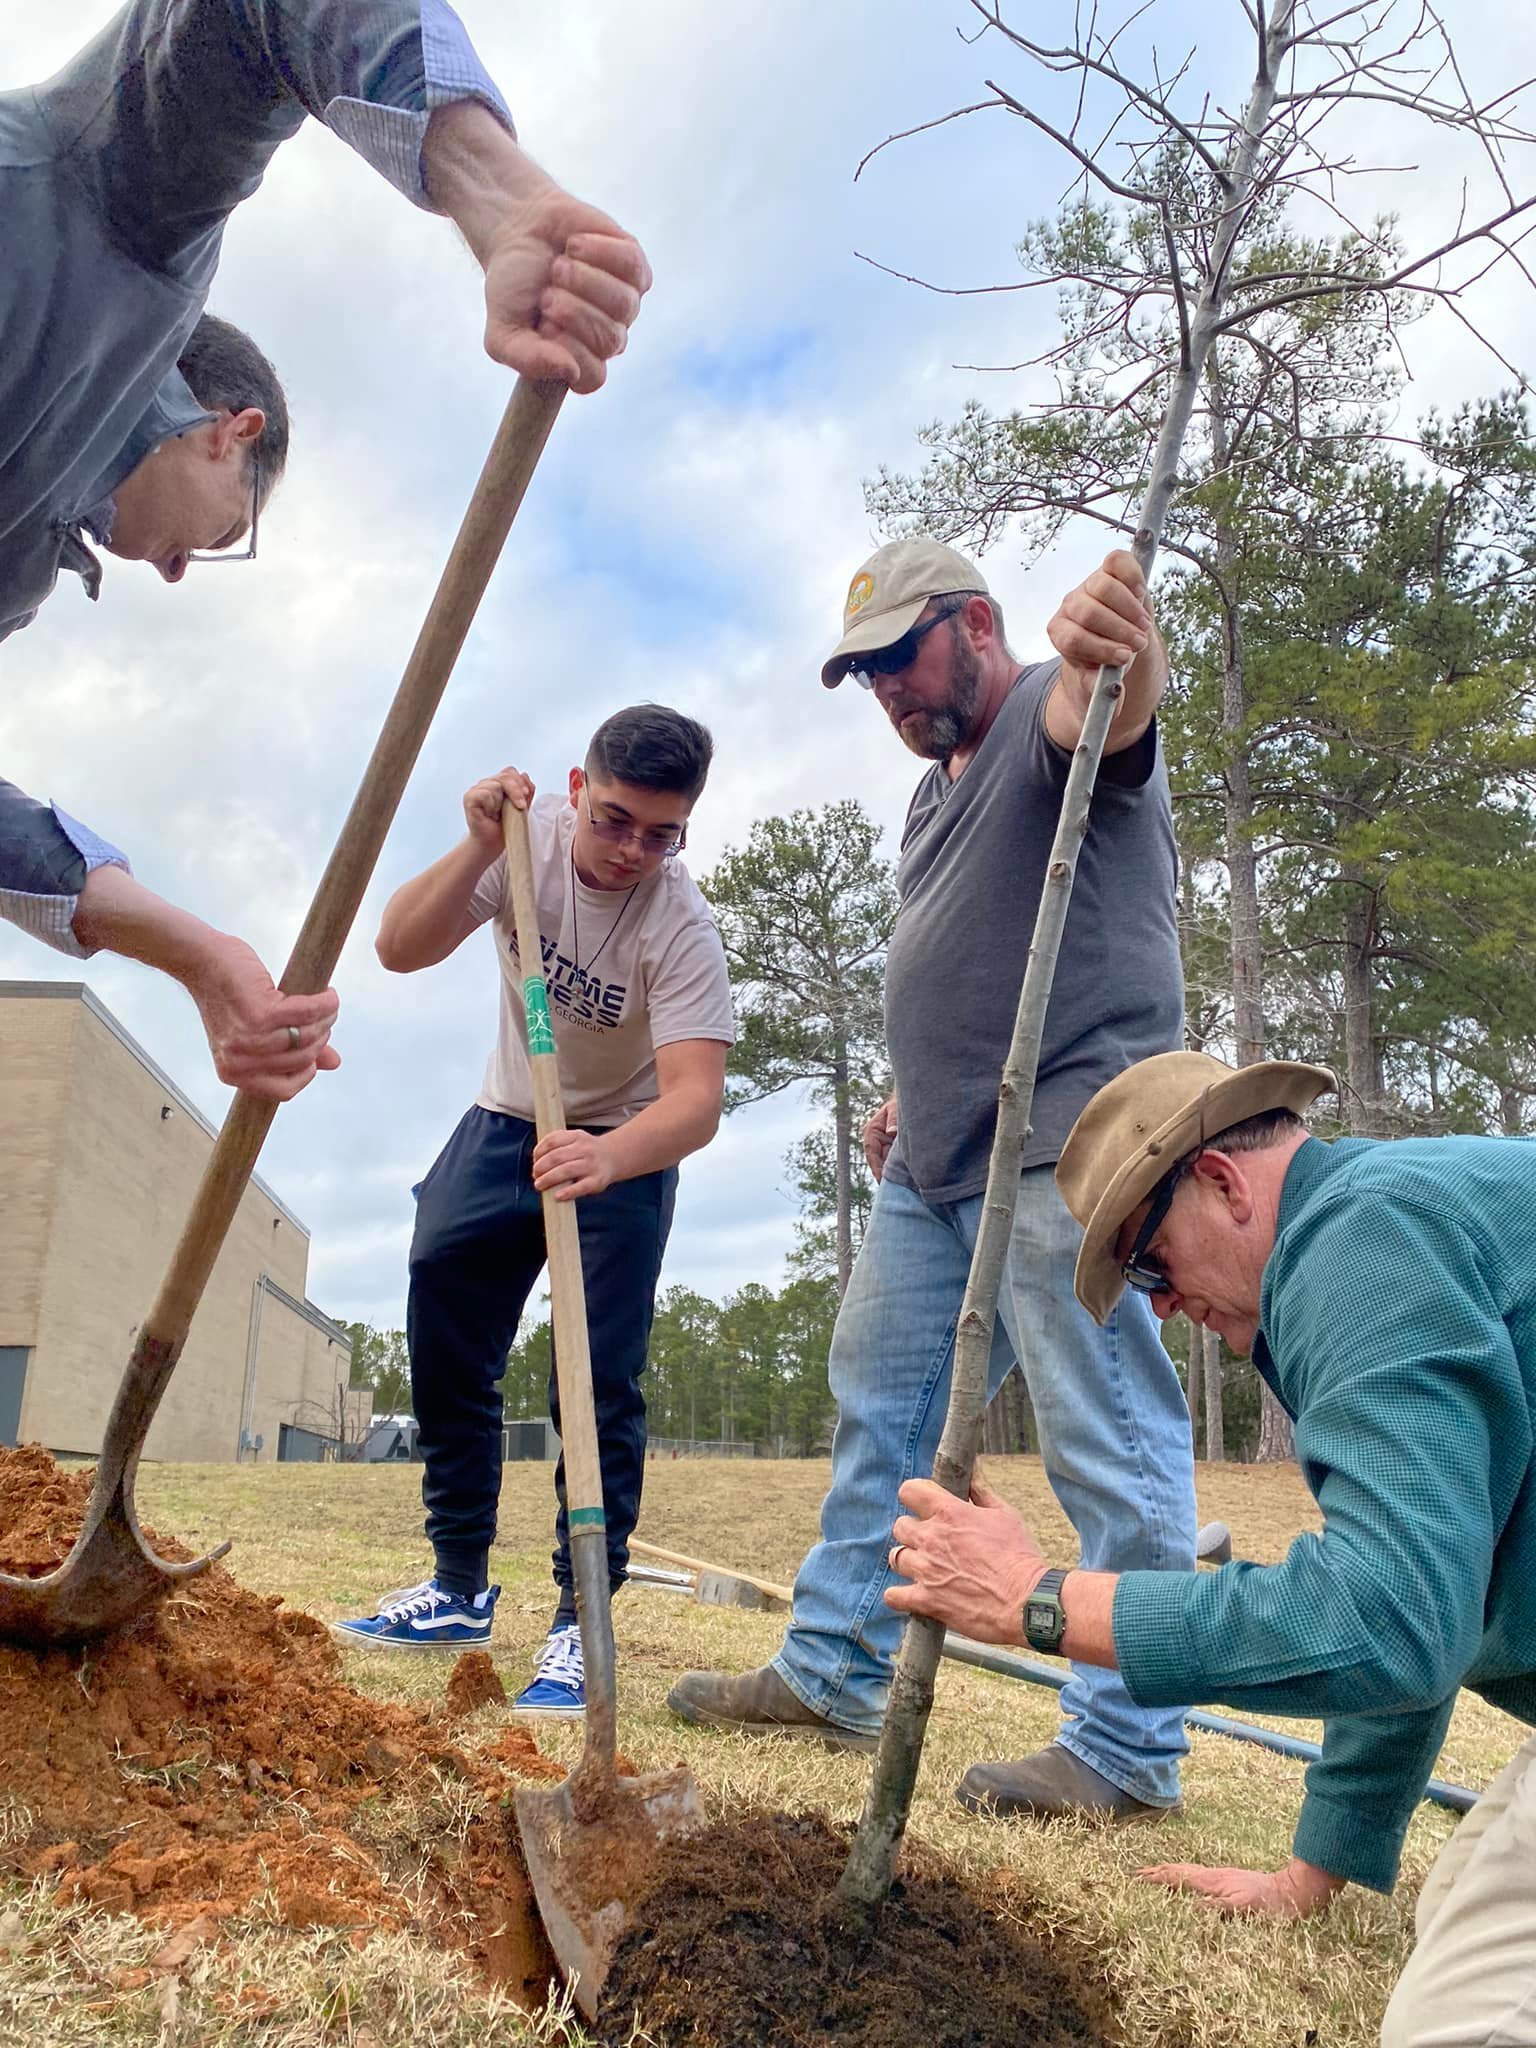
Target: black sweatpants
[{"x": 478, "y": 1248}]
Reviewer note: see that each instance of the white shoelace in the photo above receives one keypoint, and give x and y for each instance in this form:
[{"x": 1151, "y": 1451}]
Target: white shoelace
[
  {"x": 560, "y": 1659},
  {"x": 399, "y": 1593},
  {"x": 423, "y": 1599}
]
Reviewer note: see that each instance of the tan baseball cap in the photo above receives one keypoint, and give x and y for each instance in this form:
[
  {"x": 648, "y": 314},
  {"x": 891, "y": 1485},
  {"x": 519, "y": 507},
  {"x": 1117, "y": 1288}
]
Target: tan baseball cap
[
  {"x": 888, "y": 593},
  {"x": 1140, "y": 1125}
]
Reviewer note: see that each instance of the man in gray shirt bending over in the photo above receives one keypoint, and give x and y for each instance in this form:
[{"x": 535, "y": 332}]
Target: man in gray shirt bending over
[
  {"x": 131, "y": 419},
  {"x": 922, "y": 633}
]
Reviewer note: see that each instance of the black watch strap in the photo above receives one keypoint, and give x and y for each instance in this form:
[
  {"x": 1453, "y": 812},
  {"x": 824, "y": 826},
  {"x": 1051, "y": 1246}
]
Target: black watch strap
[{"x": 1045, "y": 1619}]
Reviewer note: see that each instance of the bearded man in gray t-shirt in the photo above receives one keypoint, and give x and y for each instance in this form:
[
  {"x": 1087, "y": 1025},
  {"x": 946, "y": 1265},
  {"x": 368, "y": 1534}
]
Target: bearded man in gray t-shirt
[{"x": 922, "y": 632}]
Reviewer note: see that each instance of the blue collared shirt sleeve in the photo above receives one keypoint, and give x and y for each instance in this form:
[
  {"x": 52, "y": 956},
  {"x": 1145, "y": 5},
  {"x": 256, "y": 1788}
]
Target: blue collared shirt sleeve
[
  {"x": 45, "y": 856},
  {"x": 171, "y": 115}
]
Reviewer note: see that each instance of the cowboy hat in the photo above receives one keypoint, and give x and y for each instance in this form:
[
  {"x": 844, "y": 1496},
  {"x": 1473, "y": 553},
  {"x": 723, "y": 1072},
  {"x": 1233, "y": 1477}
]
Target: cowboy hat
[{"x": 1137, "y": 1129}]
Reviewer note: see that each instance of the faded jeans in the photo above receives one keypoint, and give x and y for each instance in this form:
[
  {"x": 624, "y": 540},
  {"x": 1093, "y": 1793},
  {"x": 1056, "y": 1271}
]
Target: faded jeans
[{"x": 1114, "y": 1438}]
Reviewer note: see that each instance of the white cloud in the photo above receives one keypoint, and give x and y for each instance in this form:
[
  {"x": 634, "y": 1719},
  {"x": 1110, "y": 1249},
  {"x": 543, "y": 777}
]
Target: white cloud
[{"x": 688, "y": 537}]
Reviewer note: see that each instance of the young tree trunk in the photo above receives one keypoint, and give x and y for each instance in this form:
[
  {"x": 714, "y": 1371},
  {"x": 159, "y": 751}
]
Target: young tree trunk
[
  {"x": 1215, "y": 1420},
  {"x": 866, "y": 1879}
]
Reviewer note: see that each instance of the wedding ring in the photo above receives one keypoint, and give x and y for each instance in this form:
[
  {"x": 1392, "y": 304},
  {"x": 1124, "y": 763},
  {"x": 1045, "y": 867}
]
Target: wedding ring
[{"x": 293, "y": 1037}]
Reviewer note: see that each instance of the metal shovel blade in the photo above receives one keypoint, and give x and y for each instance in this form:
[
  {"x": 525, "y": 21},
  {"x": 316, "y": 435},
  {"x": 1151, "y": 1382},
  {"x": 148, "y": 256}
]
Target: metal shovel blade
[
  {"x": 111, "y": 1573},
  {"x": 109, "y": 1576},
  {"x": 586, "y": 1867}
]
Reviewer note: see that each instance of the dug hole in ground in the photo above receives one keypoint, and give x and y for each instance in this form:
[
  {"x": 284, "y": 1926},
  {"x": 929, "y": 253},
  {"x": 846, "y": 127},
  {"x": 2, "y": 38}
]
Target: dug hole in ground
[{"x": 208, "y": 1757}]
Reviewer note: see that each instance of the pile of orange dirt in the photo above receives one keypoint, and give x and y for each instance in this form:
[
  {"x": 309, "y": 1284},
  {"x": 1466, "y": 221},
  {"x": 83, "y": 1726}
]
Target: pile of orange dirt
[
  {"x": 208, "y": 1756},
  {"x": 735, "y": 1942}
]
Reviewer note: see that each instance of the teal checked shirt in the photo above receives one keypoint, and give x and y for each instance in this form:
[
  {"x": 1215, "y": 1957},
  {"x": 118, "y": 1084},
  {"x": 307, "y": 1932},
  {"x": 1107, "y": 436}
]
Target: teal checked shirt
[{"x": 1398, "y": 1327}]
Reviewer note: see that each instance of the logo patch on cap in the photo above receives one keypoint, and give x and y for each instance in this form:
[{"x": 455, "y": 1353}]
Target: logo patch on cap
[{"x": 860, "y": 591}]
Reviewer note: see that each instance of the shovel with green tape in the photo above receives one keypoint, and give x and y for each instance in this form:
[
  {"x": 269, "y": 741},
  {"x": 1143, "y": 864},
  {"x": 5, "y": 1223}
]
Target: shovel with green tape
[{"x": 591, "y": 1840}]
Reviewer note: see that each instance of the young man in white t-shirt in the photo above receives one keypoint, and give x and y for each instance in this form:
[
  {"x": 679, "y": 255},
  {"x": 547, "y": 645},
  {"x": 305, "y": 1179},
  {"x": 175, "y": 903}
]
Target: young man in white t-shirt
[{"x": 641, "y": 1003}]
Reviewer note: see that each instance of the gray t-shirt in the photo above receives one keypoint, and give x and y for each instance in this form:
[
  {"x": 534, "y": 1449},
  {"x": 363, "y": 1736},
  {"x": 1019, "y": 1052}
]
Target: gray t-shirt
[{"x": 973, "y": 861}]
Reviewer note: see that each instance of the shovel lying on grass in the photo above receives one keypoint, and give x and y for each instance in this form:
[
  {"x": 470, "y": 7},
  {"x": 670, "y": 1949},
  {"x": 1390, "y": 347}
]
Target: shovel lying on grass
[
  {"x": 111, "y": 1573},
  {"x": 589, "y": 1841}
]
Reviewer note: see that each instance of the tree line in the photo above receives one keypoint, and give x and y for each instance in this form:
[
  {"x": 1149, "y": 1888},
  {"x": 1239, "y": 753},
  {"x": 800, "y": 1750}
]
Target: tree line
[{"x": 746, "y": 1372}]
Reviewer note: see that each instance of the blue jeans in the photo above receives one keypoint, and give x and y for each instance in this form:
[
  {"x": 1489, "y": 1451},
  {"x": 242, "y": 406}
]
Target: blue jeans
[
  {"x": 477, "y": 1250},
  {"x": 1114, "y": 1438}
]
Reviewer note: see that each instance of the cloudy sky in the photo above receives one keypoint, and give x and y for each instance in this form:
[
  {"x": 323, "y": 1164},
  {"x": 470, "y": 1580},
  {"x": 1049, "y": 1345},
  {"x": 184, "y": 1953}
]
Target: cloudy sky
[{"x": 688, "y": 538}]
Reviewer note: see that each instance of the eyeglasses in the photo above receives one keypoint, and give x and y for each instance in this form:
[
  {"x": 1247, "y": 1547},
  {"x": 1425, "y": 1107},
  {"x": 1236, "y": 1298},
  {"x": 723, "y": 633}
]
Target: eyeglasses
[
  {"x": 890, "y": 661},
  {"x": 246, "y": 554},
  {"x": 1140, "y": 1270},
  {"x": 619, "y": 831}
]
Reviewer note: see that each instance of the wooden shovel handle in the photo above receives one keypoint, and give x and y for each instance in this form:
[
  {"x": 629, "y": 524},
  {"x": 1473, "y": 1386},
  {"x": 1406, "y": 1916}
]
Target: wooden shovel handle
[
  {"x": 524, "y": 429},
  {"x": 567, "y": 1292}
]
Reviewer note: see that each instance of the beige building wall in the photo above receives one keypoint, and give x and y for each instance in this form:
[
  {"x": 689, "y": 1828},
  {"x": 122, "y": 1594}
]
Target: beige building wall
[
  {"x": 100, "y": 1155},
  {"x": 33, "y": 1073}
]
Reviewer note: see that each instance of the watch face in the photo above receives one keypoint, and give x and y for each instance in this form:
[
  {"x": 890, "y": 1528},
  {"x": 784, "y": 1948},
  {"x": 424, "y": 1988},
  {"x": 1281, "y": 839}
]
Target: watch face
[{"x": 1042, "y": 1615}]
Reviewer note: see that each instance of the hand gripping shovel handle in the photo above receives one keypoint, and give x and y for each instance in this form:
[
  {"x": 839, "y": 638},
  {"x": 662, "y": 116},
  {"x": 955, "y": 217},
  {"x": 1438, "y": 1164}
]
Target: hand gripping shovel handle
[
  {"x": 573, "y": 1356},
  {"x": 520, "y": 440}
]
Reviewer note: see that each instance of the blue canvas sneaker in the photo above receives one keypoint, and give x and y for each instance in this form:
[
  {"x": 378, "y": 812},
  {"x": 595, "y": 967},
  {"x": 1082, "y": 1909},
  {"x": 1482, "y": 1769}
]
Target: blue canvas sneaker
[
  {"x": 559, "y": 1685},
  {"x": 424, "y": 1617}
]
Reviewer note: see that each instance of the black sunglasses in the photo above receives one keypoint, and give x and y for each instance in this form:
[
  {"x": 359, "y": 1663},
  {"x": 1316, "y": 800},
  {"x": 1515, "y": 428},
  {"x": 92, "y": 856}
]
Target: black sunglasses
[
  {"x": 890, "y": 661},
  {"x": 1140, "y": 1270}
]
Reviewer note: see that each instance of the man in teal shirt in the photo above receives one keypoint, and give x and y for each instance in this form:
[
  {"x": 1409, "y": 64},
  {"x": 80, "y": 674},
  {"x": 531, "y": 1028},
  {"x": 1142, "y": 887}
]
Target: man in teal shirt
[{"x": 1387, "y": 1293}]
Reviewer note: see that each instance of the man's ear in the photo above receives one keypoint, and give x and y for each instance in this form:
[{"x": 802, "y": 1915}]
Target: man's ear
[
  {"x": 576, "y": 782},
  {"x": 1226, "y": 1178},
  {"x": 977, "y": 618},
  {"x": 232, "y": 429}
]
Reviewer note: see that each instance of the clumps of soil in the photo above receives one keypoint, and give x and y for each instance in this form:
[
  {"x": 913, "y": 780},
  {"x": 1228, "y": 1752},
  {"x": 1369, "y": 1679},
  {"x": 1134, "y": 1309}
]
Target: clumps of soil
[
  {"x": 473, "y": 1683},
  {"x": 733, "y": 1944},
  {"x": 207, "y": 1760}
]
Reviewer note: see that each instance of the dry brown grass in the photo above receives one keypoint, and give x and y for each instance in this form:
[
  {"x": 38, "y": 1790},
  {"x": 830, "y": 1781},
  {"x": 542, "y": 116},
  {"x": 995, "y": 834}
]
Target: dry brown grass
[{"x": 330, "y": 1539}]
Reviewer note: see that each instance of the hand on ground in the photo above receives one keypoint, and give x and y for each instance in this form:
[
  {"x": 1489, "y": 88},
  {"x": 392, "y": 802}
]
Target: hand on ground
[
  {"x": 248, "y": 1022},
  {"x": 563, "y": 284},
  {"x": 972, "y": 1564},
  {"x": 568, "y": 1164},
  {"x": 483, "y": 807},
  {"x": 1290, "y": 1894}
]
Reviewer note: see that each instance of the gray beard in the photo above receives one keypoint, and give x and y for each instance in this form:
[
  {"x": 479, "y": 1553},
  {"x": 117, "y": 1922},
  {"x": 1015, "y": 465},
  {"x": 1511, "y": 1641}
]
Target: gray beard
[{"x": 935, "y": 735}]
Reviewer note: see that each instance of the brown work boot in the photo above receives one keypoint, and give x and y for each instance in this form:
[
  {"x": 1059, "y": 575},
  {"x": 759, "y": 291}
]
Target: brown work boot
[
  {"x": 758, "y": 1703},
  {"x": 1053, "y": 1784}
]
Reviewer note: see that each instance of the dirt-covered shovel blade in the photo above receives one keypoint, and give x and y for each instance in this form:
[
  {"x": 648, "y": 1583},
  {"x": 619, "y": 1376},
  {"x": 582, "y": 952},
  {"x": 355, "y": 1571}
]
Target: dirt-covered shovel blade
[
  {"x": 581, "y": 1870},
  {"x": 111, "y": 1573}
]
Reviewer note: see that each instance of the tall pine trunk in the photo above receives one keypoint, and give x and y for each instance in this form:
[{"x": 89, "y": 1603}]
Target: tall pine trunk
[
  {"x": 1194, "y": 1358},
  {"x": 1242, "y": 862},
  {"x": 1365, "y": 1104},
  {"x": 1215, "y": 1417},
  {"x": 1248, "y": 1028}
]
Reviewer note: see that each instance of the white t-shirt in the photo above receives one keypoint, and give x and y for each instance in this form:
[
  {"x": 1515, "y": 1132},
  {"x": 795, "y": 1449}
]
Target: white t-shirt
[{"x": 625, "y": 973}]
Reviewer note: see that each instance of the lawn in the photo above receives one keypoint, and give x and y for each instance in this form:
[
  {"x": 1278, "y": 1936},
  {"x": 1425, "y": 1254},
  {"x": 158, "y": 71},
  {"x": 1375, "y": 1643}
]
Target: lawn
[{"x": 329, "y": 1539}]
